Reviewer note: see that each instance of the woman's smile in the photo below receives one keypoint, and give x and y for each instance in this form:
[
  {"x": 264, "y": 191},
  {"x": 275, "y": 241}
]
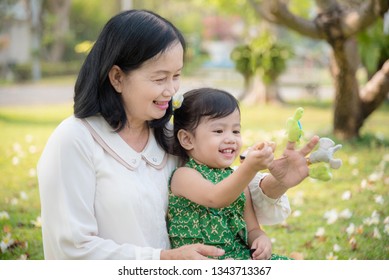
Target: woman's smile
[{"x": 163, "y": 105}]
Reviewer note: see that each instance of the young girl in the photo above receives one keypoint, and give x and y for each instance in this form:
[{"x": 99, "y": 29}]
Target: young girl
[{"x": 208, "y": 202}]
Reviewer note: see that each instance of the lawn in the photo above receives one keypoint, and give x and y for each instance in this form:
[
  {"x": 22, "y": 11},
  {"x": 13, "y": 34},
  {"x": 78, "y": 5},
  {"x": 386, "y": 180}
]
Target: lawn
[{"x": 345, "y": 218}]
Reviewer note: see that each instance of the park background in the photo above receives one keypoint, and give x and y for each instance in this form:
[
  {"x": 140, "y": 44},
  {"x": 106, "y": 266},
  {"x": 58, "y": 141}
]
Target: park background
[{"x": 339, "y": 74}]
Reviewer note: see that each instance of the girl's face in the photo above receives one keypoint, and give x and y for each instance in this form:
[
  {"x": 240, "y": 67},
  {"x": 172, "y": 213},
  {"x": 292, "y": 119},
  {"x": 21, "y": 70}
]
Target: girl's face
[
  {"x": 217, "y": 142},
  {"x": 146, "y": 91}
]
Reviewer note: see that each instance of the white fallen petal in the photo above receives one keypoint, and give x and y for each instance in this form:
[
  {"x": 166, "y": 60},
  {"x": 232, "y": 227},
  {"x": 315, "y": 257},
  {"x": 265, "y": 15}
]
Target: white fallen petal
[
  {"x": 350, "y": 229},
  {"x": 346, "y": 195},
  {"x": 346, "y": 214}
]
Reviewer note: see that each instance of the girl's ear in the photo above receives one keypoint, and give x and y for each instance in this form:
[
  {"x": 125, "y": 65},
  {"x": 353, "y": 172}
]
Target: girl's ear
[
  {"x": 185, "y": 139},
  {"x": 116, "y": 77}
]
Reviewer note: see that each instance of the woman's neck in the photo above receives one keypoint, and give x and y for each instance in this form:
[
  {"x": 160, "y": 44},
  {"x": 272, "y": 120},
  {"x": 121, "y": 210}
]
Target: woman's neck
[{"x": 136, "y": 136}]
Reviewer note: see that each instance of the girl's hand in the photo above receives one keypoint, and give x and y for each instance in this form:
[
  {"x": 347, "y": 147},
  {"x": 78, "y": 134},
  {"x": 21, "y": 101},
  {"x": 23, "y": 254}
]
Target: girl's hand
[
  {"x": 192, "y": 252},
  {"x": 260, "y": 156},
  {"x": 262, "y": 246}
]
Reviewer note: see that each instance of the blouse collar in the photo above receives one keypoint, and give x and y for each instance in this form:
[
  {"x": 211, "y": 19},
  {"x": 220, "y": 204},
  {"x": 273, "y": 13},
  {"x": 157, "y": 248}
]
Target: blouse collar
[{"x": 112, "y": 143}]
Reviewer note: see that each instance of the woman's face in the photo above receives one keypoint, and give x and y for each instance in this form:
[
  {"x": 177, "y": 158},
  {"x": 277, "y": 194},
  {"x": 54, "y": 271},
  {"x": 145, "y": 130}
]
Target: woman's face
[{"x": 146, "y": 91}]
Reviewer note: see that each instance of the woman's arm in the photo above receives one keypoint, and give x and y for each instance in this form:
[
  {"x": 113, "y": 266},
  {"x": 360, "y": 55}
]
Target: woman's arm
[{"x": 268, "y": 211}]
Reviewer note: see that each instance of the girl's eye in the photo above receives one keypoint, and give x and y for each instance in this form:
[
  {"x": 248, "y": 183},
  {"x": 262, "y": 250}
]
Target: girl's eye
[
  {"x": 236, "y": 131},
  {"x": 218, "y": 131}
]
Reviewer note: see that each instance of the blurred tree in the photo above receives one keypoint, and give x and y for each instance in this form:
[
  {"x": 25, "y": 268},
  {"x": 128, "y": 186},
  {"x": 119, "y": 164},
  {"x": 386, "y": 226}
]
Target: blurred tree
[
  {"x": 338, "y": 22},
  {"x": 59, "y": 27},
  {"x": 188, "y": 16},
  {"x": 263, "y": 57},
  {"x": 373, "y": 48},
  {"x": 87, "y": 18},
  {"x": 67, "y": 23}
]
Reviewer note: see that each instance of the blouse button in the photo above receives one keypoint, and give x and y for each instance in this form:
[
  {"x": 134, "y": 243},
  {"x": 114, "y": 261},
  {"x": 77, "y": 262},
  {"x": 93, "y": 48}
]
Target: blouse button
[
  {"x": 154, "y": 159},
  {"x": 133, "y": 161}
]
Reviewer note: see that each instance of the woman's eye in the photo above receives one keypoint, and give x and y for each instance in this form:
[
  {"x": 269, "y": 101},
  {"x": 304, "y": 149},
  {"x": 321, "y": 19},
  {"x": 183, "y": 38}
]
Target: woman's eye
[{"x": 160, "y": 80}]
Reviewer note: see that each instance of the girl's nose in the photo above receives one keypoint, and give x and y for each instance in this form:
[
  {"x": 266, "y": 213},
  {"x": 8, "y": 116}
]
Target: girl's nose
[{"x": 230, "y": 139}]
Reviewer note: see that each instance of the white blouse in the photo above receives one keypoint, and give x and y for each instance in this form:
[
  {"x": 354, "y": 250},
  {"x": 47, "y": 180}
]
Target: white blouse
[{"x": 100, "y": 199}]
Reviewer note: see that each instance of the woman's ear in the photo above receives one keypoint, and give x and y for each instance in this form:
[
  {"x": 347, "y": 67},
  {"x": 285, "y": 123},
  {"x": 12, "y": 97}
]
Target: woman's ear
[
  {"x": 185, "y": 139},
  {"x": 116, "y": 77}
]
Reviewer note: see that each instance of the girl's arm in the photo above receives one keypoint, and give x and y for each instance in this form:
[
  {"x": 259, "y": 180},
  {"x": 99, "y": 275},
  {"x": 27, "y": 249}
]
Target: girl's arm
[
  {"x": 257, "y": 238},
  {"x": 189, "y": 183}
]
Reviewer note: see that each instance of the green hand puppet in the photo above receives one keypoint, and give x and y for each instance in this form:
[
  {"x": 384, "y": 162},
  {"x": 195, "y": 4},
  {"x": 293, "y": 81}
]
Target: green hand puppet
[
  {"x": 293, "y": 126},
  {"x": 324, "y": 154},
  {"x": 320, "y": 172}
]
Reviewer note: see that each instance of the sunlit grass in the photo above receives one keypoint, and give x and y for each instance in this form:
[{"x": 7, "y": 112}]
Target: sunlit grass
[
  {"x": 364, "y": 176},
  {"x": 24, "y": 133},
  {"x": 318, "y": 227}
]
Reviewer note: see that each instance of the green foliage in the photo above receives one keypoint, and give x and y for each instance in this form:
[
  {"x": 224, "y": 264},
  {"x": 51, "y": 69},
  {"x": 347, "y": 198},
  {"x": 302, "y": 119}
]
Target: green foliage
[
  {"x": 264, "y": 56},
  {"x": 269, "y": 57},
  {"x": 302, "y": 8},
  {"x": 241, "y": 56},
  {"x": 373, "y": 47},
  {"x": 87, "y": 18},
  {"x": 23, "y": 72}
]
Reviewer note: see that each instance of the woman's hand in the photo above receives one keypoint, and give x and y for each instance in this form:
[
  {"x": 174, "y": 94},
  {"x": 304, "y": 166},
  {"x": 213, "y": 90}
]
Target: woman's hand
[
  {"x": 192, "y": 252},
  {"x": 292, "y": 168},
  {"x": 262, "y": 246}
]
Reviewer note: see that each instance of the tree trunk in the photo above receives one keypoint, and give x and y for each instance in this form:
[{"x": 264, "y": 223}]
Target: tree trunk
[
  {"x": 61, "y": 9},
  {"x": 256, "y": 92},
  {"x": 247, "y": 84},
  {"x": 375, "y": 91},
  {"x": 347, "y": 111},
  {"x": 338, "y": 24},
  {"x": 272, "y": 93}
]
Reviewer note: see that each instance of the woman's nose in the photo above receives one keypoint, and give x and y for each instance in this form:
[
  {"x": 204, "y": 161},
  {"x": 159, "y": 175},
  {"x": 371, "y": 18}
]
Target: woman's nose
[{"x": 170, "y": 89}]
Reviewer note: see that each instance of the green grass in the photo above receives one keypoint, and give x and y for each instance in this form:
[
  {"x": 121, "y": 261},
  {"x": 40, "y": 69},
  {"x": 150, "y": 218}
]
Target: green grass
[
  {"x": 24, "y": 133},
  {"x": 364, "y": 174}
]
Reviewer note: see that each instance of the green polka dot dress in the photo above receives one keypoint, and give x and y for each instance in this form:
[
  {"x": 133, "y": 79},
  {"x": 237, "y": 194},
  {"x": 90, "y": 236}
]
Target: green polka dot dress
[{"x": 190, "y": 223}]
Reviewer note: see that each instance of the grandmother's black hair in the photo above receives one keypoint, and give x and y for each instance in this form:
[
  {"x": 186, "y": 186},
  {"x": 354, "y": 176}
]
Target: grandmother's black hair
[
  {"x": 199, "y": 103},
  {"x": 127, "y": 40}
]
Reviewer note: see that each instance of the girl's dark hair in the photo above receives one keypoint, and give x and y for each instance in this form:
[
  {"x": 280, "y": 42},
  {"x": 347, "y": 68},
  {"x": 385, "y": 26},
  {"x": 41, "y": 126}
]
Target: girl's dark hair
[
  {"x": 199, "y": 103},
  {"x": 127, "y": 40}
]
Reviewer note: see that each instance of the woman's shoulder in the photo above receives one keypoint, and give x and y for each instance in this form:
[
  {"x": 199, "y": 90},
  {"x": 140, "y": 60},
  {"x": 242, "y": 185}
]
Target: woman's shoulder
[
  {"x": 70, "y": 131},
  {"x": 70, "y": 126}
]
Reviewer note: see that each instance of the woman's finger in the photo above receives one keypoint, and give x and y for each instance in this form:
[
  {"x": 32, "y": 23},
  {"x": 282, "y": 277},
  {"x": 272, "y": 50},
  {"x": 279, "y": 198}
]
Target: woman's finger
[
  {"x": 290, "y": 145},
  {"x": 310, "y": 145},
  {"x": 208, "y": 251}
]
